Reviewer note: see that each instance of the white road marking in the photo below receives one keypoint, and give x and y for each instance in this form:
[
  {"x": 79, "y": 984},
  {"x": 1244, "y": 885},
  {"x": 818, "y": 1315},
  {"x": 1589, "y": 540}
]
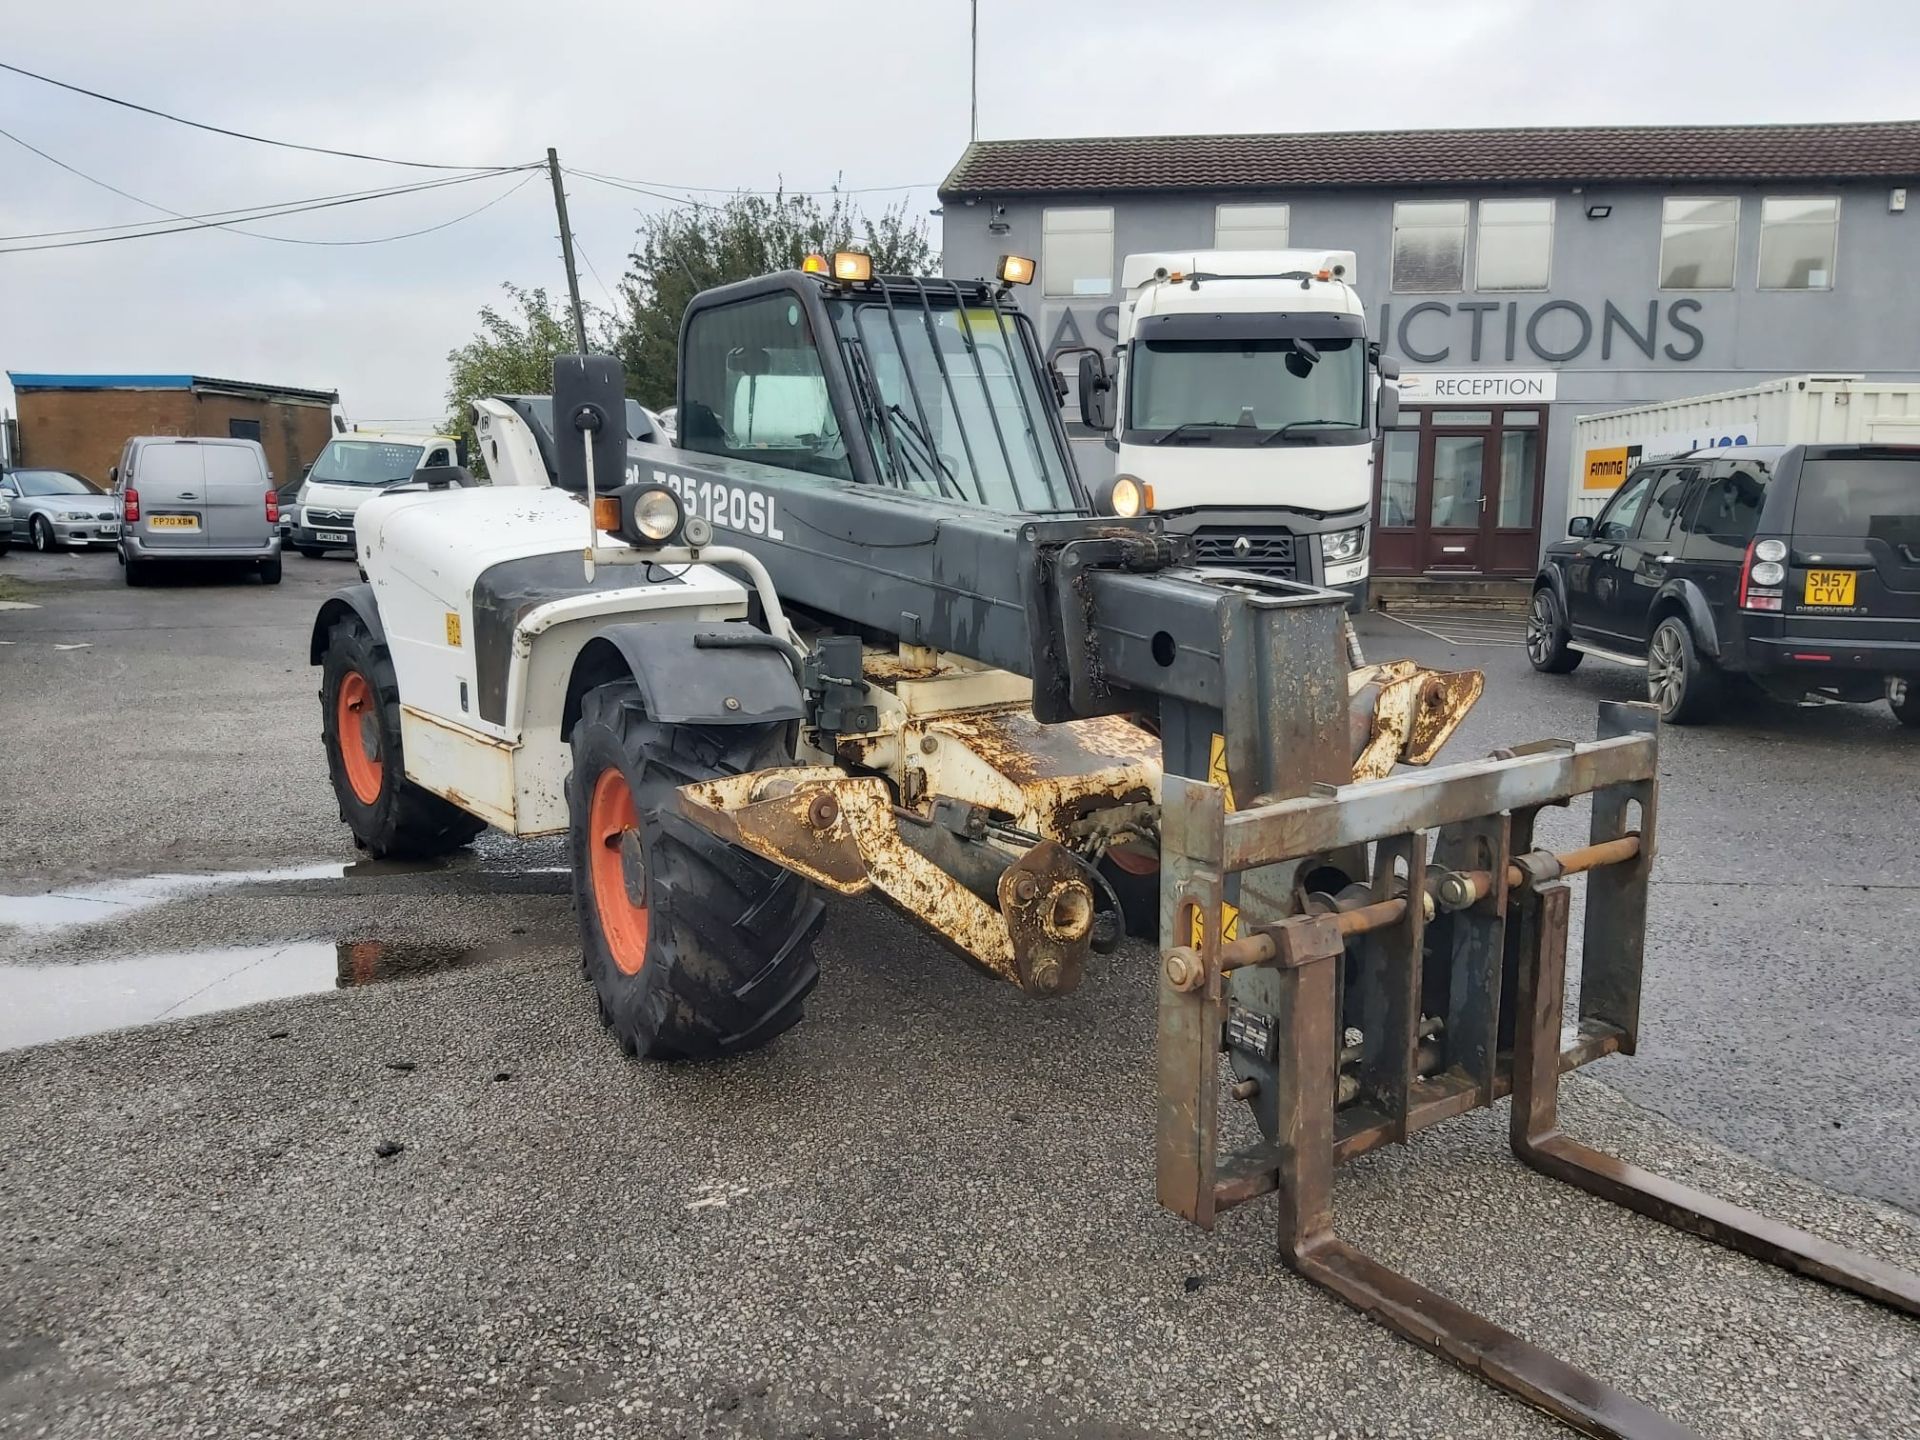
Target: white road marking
[{"x": 16, "y": 605}]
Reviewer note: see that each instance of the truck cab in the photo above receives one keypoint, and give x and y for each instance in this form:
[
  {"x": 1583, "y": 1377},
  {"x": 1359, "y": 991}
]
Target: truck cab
[{"x": 1246, "y": 399}]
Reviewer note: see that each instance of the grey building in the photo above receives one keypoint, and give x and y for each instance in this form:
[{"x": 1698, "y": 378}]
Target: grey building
[{"x": 1522, "y": 277}]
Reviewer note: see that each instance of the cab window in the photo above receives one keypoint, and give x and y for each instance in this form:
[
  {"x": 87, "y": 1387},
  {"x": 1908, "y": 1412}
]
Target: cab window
[
  {"x": 754, "y": 388},
  {"x": 1622, "y": 514}
]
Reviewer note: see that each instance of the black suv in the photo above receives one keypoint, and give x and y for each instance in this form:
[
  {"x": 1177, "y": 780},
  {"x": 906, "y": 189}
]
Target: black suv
[{"x": 1797, "y": 566}]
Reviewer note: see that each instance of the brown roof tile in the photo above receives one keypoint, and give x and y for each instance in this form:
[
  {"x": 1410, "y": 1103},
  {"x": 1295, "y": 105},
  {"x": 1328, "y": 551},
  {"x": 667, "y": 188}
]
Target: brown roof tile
[{"x": 1889, "y": 150}]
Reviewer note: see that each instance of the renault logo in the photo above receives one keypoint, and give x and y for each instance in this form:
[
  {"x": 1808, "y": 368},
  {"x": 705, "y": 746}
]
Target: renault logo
[{"x": 1243, "y": 547}]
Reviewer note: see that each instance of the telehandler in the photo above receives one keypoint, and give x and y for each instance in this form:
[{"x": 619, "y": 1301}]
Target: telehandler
[{"x": 866, "y": 629}]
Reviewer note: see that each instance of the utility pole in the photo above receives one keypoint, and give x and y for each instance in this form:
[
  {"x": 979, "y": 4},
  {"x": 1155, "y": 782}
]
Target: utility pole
[
  {"x": 566, "y": 250},
  {"x": 973, "y": 72}
]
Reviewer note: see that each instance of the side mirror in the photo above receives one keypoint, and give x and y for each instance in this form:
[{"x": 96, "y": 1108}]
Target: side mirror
[
  {"x": 590, "y": 408},
  {"x": 459, "y": 452},
  {"x": 1580, "y": 526},
  {"x": 113, "y": 474},
  {"x": 1387, "y": 404},
  {"x": 1389, "y": 367},
  {"x": 1096, "y": 394}
]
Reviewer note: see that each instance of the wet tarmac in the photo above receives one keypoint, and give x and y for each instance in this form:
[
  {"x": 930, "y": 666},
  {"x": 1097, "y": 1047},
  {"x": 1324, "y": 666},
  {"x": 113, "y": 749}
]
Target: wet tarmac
[{"x": 42, "y": 1003}]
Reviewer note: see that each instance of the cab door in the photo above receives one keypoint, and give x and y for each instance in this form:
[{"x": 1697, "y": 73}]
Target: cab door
[{"x": 1593, "y": 572}]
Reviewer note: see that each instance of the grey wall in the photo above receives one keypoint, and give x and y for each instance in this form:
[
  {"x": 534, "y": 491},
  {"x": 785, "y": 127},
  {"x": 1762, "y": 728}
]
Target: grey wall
[{"x": 1868, "y": 322}]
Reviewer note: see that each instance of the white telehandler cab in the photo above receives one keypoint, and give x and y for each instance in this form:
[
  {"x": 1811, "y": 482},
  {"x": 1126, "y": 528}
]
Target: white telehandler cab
[{"x": 920, "y": 663}]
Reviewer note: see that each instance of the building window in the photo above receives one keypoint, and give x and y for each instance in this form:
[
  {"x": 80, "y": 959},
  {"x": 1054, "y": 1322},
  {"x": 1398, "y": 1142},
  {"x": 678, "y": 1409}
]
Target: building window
[
  {"x": 1429, "y": 245},
  {"x": 1515, "y": 248},
  {"x": 243, "y": 429},
  {"x": 1076, "y": 251},
  {"x": 1797, "y": 238},
  {"x": 1251, "y": 227},
  {"x": 1697, "y": 241}
]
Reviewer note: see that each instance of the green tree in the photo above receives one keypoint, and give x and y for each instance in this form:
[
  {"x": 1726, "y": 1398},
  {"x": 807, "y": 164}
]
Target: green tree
[
  {"x": 679, "y": 253},
  {"x": 512, "y": 354}
]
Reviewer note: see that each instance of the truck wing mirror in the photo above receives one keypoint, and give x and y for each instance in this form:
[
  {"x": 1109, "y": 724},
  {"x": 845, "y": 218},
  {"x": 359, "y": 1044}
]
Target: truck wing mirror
[
  {"x": 113, "y": 474},
  {"x": 1387, "y": 404},
  {"x": 1096, "y": 393},
  {"x": 1580, "y": 526},
  {"x": 1389, "y": 367},
  {"x": 589, "y": 404}
]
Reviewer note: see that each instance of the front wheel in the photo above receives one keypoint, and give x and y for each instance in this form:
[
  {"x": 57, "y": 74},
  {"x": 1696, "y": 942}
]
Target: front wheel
[
  {"x": 41, "y": 533},
  {"x": 1549, "y": 645},
  {"x": 695, "y": 948},
  {"x": 1684, "y": 687},
  {"x": 389, "y": 815}
]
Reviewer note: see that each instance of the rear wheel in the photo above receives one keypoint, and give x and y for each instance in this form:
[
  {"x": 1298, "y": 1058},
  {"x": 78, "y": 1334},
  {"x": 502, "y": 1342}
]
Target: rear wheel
[
  {"x": 270, "y": 571},
  {"x": 1685, "y": 687},
  {"x": 695, "y": 948},
  {"x": 1548, "y": 641},
  {"x": 1903, "y": 697},
  {"x": 390, "y": 816}
]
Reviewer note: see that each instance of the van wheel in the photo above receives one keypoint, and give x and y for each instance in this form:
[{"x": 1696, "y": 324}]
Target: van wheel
[
  {"x": 1903, "y": 698},
  {"x": 695, "y": 948},
  {"x": 1547, "y": 635},
  {"x": 137, "y": 571},
  {"x": 389, "y": 815},
  {"x": 270, "y": 572},
  {"x": 1685, "y": 688}
]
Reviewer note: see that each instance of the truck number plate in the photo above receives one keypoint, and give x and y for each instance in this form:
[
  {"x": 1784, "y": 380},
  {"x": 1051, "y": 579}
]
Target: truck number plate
[{"x": 337, "y": 537}]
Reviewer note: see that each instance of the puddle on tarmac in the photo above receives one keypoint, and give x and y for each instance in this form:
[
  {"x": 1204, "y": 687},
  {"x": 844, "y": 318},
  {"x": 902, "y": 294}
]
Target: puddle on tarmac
[
  {"x": 112, "y": 900},
  {"x": 40, "y": 1003}
]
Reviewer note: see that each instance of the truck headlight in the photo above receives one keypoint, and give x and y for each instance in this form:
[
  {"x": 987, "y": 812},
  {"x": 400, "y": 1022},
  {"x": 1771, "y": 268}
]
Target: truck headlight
[
  {"x": 1342, "y": 545},
  {"x": 1124, "y": 495}
]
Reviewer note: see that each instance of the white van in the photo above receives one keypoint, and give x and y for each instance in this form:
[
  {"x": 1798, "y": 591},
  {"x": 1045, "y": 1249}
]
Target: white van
[{"x": 355, "y": 465}]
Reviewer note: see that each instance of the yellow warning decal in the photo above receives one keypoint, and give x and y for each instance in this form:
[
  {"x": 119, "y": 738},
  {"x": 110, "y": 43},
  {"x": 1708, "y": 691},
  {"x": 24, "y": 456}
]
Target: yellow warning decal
[
  {"x": 453, "y": 628},
  {"x": 1217, "y": 767},
  {"x": 1229, "y": 924}
]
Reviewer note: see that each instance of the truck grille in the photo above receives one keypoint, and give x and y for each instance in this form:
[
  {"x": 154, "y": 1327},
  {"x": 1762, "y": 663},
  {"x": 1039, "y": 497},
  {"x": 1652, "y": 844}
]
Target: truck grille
[{"x": 1270, "y": 552}]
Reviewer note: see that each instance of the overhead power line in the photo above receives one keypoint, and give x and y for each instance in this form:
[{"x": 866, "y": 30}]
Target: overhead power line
[
  {"x": 322, "y": 203},
  {"x": 240, "y": 134},
  {"x": 651, "y": 187},
  {"x": 225, "y": 219}
]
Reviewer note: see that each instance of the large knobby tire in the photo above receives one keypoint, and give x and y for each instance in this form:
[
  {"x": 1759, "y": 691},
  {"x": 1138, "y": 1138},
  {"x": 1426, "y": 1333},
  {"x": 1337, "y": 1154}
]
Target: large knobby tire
[
  {"x": 695, "y": 948},
  {"x": 1549, "y": 647},
  {"x": 391, "y": 817},
  {"x": 1683, "y": 686}
]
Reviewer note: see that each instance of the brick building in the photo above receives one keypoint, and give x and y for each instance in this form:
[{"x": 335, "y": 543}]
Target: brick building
[{"x": 80, "y": 422}]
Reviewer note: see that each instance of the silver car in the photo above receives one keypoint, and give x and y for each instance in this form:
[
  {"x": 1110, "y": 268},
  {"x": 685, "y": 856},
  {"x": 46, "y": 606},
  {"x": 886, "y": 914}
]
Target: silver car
[{"x": 56, "y": 508}]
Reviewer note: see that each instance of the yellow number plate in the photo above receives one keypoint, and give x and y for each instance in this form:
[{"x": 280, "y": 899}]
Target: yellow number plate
[
  {"x": 173, "y": 522},
  {"x": 1830, "y": 587}
]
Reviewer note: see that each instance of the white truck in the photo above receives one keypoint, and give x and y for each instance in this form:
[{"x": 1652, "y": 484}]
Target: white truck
[{"x": 1244, "y": 404}]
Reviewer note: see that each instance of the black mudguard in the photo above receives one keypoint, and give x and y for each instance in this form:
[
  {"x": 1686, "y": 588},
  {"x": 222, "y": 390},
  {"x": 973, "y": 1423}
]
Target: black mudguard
[
  {"x": 353, "y": 600},
  {"x": 683, "y": 683}
]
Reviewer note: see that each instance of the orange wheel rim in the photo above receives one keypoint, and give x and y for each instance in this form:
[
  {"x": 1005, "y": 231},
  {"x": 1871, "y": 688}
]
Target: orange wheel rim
[
  {"x": 617, "y": 868},
  {"x": 357, "y": 724}
]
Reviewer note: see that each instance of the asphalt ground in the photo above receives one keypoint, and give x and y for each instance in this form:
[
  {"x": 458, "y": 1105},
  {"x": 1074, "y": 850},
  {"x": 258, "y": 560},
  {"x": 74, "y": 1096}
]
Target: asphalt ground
[{"x": 926, "y": 1210}]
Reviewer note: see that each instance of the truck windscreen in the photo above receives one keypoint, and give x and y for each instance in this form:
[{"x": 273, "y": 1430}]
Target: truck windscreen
[
  {"x": 1245, "y": 391},
  {"x": 954, "y": 404}
]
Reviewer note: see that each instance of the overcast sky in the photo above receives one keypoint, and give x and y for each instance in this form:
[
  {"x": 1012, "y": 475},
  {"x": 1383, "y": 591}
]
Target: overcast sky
[{"x": 733, "y": 94}]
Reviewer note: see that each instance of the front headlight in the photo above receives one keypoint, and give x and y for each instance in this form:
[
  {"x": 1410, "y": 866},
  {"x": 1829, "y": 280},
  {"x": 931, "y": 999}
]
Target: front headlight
[{"x": 1341, "y": 545}]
